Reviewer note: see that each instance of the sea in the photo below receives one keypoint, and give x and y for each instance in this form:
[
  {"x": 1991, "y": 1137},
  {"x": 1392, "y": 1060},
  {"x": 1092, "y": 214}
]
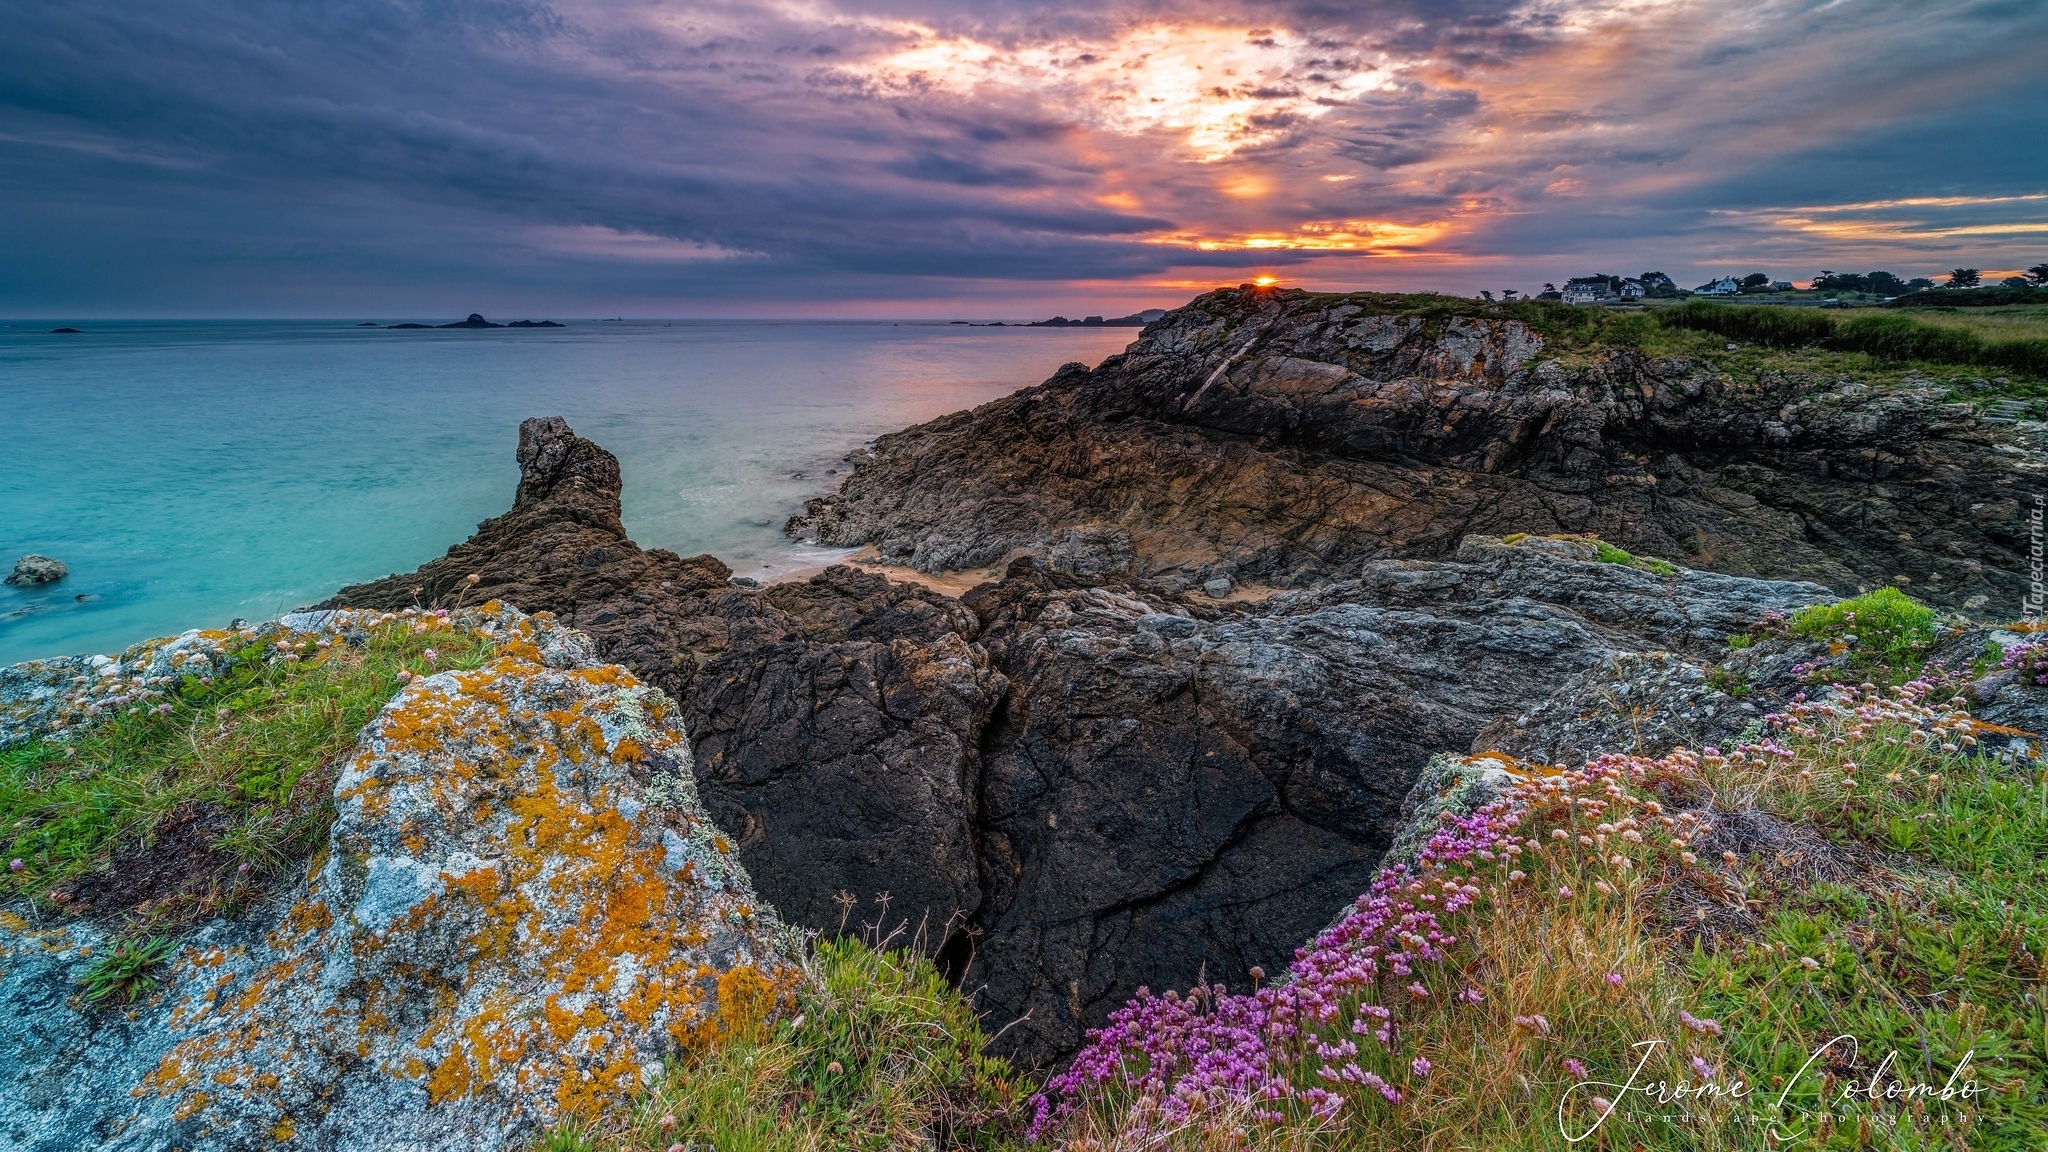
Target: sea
[{"x": 193, "y": 472}]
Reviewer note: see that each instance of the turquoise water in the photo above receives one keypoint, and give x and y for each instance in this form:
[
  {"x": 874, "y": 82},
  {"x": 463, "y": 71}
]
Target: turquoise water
[{"x": 193, "y": 472}]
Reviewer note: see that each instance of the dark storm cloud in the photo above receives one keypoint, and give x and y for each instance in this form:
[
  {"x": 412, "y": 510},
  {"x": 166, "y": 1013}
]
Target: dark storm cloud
[{"x": 230, "y": 154}]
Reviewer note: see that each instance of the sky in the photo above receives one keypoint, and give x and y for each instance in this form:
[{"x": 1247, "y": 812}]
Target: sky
[{"x": 427, "y": 158}]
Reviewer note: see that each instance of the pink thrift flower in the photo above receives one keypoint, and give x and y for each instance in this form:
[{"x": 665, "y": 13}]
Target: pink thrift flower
[
  {"x": 1575, "y": 1067},
  {"x": 1420, "y": 1067},
  {"x": 1614, "y": 979},
  {"x": 15, "y": 865}
]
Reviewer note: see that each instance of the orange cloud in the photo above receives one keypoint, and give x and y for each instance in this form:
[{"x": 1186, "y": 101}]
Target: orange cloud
[{"x": 1368, "y": 237}]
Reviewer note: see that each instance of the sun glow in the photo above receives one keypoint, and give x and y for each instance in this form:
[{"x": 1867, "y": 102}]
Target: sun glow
[{"x": 1223, "y": 89}]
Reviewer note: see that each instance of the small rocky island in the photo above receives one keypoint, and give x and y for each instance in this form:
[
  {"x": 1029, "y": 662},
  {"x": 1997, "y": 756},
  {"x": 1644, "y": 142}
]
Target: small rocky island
[
  {"x": 476, "y": 320},
  {"x": 36, "y": 568}
]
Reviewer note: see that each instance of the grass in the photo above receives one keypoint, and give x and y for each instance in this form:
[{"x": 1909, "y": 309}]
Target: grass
[
  {"x": 1607, "y": 553},
  {"x": 2010, "y": 322},
  {"x": 879, "y": 1053},
  {"x": 124, "y": 970},
  {"x": 1929, "y": 948},
  {"x": 194, "y": 792},
  {"x": 1887, "y": 336},
  {"x": 1780, "y": 919},
  {"x": 1885, "y": 633}
]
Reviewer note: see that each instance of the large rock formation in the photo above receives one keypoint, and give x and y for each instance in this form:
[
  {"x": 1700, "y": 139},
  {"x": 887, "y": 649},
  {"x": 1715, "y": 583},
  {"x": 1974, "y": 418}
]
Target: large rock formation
[
  {"x": 1073, "y": 788},
  {"x": 521, "y": 909},
  {"x": 1282, "y": 438}
]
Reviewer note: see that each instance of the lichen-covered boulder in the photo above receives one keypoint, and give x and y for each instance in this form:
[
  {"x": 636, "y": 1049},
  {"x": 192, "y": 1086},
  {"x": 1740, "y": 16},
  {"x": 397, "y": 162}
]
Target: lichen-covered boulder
[{"x": 520, "y": 910}]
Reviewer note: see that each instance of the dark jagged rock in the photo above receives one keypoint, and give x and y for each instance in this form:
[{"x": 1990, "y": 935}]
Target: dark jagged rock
[
  {"x": 1282, "y": 438},
  {"x": 64, "y": 331},
  {"x": 1075, "y": 789},
  {"x": 834, "y": 721},
  {"x": 533, "y": 324}
]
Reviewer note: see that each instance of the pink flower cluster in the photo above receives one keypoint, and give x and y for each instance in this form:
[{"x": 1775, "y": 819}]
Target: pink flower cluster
[
  {"x": 2030, "y": 660},
  {"x": 1328, "y": 1041},
  {"x": 1296, "y": 1042}
]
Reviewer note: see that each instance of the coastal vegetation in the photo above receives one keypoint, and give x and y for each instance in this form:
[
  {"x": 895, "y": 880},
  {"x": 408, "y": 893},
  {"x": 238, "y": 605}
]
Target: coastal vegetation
[
  {"x": 191, "y": 792},
  {"x": 1883, "y": 336},
  {"x": 1886, "y": 631},
  {"x": 877, "y": 1053},
  {"x": 1829, "y": 937}
]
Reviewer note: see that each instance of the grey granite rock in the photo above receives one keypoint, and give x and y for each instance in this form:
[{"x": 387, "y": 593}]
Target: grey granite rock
[{"x": 34, "y": 569}]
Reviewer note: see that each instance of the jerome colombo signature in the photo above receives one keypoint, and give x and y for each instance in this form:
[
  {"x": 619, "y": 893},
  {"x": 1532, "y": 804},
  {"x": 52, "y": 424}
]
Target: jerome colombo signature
[{"x": 1884, "y": 1083}]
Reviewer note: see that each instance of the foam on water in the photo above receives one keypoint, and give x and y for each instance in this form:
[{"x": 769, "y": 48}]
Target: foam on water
[{"x": 193, "y": 472}]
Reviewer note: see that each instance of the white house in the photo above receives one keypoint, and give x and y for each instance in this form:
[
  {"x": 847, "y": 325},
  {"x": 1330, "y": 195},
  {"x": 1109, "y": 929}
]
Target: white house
[
  {"x": 1633, "y": 289},
  {"x": 1584, "y": 293},
  {"x": 1725, "y": 286}
]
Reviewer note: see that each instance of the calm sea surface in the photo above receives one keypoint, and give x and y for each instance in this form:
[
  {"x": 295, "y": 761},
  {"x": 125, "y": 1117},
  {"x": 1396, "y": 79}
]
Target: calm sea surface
[{"x": 193, "y": 472}]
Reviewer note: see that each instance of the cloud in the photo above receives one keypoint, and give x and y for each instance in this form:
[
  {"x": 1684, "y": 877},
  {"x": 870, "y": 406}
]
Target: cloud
[{"x": 831, "y": 152}]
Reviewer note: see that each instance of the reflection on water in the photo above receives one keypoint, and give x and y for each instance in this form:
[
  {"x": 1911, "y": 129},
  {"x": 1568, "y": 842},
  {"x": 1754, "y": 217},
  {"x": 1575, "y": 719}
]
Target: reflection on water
[{"x": 193, "y": 472}]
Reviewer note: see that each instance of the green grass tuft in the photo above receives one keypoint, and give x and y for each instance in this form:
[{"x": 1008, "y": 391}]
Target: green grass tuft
[
  {"x": 1886, "y": 632},
  {"x": 124, "y": 969}
]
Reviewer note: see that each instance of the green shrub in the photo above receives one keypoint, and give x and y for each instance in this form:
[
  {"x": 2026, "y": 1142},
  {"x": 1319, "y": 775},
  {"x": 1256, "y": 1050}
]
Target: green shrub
[
  {"x": 1607, "y": 553},
  {"x": 1890, "y": 336},
  {"x": 1771, "y": 327},
  {"x": 1884, "y": 629},
  {"x": 1974, "y": 298}
]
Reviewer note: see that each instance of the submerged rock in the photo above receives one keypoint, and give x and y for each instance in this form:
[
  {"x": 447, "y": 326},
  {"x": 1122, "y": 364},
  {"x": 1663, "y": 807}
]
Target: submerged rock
[
  {"x": 521, "y": 909},
  {"x": 36, "y": 568}
]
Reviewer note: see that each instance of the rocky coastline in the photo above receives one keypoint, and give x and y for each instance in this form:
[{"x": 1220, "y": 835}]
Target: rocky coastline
[
  {"x": 1283, "y": 438},
  {"x": 1090, "y": 773},
  {"x": 1263, "y": 598}
]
